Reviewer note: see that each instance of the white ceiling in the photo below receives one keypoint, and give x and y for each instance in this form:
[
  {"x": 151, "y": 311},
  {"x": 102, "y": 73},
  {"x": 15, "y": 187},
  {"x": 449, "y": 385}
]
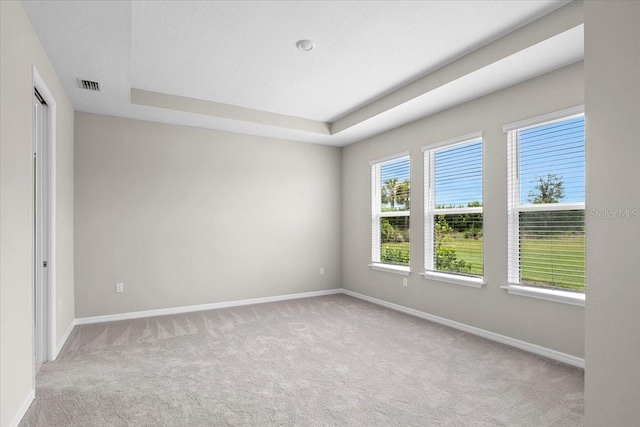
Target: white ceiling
[{"x": 242, "y": 53}]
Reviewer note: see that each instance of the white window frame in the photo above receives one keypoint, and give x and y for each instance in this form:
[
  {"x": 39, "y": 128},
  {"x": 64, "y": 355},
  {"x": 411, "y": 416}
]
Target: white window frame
[
  {"x": 377, "y": 214},
  {"x": 514, "y": 285},
  {"x": 430, "y": 212}
]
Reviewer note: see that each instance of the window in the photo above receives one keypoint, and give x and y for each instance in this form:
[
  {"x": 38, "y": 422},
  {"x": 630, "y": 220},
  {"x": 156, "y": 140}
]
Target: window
[
  {"x": 390, "y": 208},
  {"x": 546, "y": 191},
  {"x": 453, "y": 209}
]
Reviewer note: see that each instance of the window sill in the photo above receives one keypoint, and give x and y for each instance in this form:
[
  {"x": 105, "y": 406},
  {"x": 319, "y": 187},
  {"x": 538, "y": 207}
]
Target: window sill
[
  {"x": 554, "y": 295},
  {"x": 389, "y": 268},
  {"x": 474, "y": 282}
]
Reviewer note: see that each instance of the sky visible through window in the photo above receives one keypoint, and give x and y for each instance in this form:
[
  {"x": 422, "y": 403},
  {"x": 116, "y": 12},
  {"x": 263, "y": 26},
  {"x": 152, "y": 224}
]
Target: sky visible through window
[
  {"x": 556, "y": 148},
  {"x": 396, "y": 169},
  {"x": 458, "y": 175}
]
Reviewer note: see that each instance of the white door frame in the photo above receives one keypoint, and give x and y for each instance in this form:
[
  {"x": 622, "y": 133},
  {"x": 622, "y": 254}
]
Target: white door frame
[
  {"x": 41, "y": 227},
  {"x": 45, "y": 344}
]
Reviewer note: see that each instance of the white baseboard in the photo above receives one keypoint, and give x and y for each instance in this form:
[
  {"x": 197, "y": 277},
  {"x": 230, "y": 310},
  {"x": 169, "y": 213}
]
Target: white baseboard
[
  {"x": 23, "y": 409},
  {"x": 201, "y": 307},
  {"x": 523, "y": 345},
  {"x": 64, "y": 339}
]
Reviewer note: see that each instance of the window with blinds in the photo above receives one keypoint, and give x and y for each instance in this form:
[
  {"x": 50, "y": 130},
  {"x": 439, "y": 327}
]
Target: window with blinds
[
  {"x": 453, "y": 206},
  {"x": 546, "y": 192},
  {"x": 390, "y": 209}
]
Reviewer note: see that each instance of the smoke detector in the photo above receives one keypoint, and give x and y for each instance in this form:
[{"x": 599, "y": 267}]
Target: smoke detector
[{"x": 305, "y": 45}]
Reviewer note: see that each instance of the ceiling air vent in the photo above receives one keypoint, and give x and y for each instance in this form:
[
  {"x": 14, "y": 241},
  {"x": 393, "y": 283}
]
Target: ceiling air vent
[{"x": 89, "y": 85}]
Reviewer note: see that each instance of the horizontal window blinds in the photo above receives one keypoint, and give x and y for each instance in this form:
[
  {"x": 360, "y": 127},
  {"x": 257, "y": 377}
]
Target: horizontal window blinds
[
  {"x": 391, "y": 206},
  {"x": 546, "y": 204},
  {"x": 453, "y": 209}
]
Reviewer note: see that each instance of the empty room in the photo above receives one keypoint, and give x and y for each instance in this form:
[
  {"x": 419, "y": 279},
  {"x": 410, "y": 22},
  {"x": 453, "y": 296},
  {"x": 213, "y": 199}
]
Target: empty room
[{"x": 319, "y": 213}]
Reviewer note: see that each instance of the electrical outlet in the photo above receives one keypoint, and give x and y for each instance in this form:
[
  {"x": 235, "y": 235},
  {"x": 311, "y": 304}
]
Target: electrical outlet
[
  {"x": 119, "y": 287},
  {"x": 322, "y": 271},
  {"x": 405, "y": 282}
]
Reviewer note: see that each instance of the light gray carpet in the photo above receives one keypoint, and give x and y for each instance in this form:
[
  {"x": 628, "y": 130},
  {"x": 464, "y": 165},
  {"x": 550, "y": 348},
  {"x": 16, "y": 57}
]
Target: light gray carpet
[{"x": 325, "y": 361}]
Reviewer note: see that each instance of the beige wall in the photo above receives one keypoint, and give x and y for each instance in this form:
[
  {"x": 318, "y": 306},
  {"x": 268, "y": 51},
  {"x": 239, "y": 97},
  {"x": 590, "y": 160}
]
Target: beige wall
[
  {"x": 612, "y": 68},
  {"x": 19, "y": 49},
  {"x": 549, "y": 324},
  {"x": 143, "y": 204},
  {"x": 185, "y": 216}
]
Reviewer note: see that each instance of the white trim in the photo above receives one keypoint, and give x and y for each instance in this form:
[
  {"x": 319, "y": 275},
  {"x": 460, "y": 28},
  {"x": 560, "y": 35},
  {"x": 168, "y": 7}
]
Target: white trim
[
  {"x": 23, "y": 409},
  {"x": 454, "y": 211},
  {"x": 513, "y": 202},
  {"x": 544, "y": 119},
  {"x": 545, "y": 207},
  {"x": 431, "y": 211},
  {"x": 522, "y": 345},
  {"x": 200, "y": 307},
  {"x": 515, "y": 206},
  {"x": 429, "y": 207},
  {"x": 390, "y": 268},
  {"x": 376, "y": 190},
  {"x": 376, "y": 206},
  {"x": 474, "y": 282},
  {"x": 65, "y": 337},
  {"x": 38, "y": 82},
  {"x": 389, "y": 158},
  {"x": 452, "y": 142},
  {"x": 555, "y": 295},
  {"x": 393, "y": 213}
]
